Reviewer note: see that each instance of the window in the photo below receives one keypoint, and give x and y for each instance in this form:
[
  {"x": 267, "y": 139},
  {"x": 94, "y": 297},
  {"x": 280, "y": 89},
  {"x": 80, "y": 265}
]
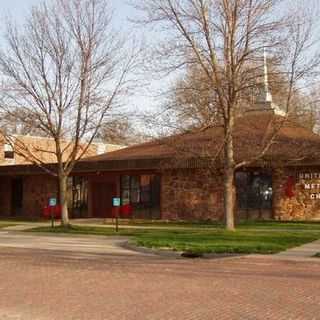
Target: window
[
  {"x": 125, "y": 190},
  {"x": 8, "y": 151},
  {"x": 130, "y": 190},
  {"x": 78, "y": 195},
  {"x": 254, "y": 190},
  {"x": 140, "y": 190},
  {"x": 135, "y": 190},
  {"x": 145, "y": 189}
]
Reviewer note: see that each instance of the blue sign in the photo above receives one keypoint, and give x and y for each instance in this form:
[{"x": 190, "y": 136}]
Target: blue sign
[
  {"x": 116, "y": 202},
  {"x": 52, "y": 202}
]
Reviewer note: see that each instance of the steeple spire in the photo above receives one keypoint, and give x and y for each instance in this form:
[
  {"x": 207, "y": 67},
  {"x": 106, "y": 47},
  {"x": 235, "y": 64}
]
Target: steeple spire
[
  {"x": 264, "y": 101},
  {"x": 266, "y": 94}
]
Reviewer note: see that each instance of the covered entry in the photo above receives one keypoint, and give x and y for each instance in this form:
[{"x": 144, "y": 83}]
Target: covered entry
[
  {"x": 254, "y": 194},
  {"x": 102, "y": 194},
  {"x": 16, "y": 196},
  {"x": 140, "y": 192}
]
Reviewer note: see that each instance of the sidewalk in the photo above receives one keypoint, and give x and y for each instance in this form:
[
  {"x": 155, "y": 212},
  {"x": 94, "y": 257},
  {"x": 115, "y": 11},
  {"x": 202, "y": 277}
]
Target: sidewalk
[
  {"x": 108, "y": 223},
  {"x": 78, "y": 245},
  {"x": 23, "y": 226},
  {"x": 304, "y": 252}
]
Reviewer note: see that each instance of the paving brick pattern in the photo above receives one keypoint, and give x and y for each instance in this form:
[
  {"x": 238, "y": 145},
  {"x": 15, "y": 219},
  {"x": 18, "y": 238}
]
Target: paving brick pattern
[{"x": 46, "y": 284}]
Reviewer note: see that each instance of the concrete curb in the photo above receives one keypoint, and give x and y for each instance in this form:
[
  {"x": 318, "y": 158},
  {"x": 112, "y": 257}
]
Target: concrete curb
[
  {"x": 163, "y": 253},
  {"x": 62, "y": 234},
  {"x": 276, "y": 257},
  {"x": 23, "y": 227},
  {"x": 178, "y": 254}
]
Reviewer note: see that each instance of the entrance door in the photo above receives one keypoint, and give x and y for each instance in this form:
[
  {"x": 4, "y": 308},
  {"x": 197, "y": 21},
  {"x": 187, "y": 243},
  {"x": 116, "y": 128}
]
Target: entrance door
[
  {"x": 102, "y": 194},
  {"x": 16, "y": 196}
]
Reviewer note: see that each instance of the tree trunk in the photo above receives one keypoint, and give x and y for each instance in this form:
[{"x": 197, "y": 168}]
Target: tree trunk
[
  {"x": 63, "y": 200},
  {"x": 229, "y": 170},
  {"x": 229, "y": 198}
]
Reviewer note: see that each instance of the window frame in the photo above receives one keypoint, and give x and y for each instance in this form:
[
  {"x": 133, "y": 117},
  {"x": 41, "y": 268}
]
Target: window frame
[
  {"x": 8, "y": 152},
  {"x": 139, "y": 189}
]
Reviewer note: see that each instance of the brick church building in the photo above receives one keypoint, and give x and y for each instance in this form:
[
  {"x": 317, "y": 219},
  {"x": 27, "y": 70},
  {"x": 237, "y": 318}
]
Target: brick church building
[
  {"x": 174, "y": 178},
  {"x": 180, "y": 177}
]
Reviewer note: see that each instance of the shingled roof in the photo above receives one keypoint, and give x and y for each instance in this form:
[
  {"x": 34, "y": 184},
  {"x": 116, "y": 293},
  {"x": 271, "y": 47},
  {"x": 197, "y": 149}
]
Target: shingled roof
[
  {"x": 253, "y": 132},
  {"x": 292, "y": 145}
]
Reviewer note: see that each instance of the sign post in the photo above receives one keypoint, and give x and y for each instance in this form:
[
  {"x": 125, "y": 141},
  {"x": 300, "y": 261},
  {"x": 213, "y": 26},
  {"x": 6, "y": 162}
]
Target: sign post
[
  {"x": 116, "y": 203},
  {"x": 52, "y": 204}
]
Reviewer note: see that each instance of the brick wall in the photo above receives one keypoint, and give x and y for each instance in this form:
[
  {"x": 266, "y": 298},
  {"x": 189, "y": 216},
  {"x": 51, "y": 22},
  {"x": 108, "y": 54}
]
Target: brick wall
[
  {"x": 36, "y": 192},
  {"x": 191, "y": 194},
  {"x": 196, "y": 195}
]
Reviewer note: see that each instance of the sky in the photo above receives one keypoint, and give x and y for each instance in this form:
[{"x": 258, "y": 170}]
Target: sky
[{"x": 18, "y": 9}]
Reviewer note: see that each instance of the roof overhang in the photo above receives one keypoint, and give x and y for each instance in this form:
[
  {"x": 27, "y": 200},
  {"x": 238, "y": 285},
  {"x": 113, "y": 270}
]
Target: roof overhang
[{"x": 147, "y": 164}]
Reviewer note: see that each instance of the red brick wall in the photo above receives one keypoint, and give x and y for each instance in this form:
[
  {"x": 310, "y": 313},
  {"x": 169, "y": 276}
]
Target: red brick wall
[
  {"x": 36, "y": 192},
  {"x": 191, "y": 194},
  {"x": 185, "y": 194}
]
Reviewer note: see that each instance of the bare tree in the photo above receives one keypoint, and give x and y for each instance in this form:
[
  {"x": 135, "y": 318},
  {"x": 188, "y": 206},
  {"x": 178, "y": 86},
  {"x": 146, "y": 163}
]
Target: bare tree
[
  {"x": 10, "y": 123},
  {"x": 225, "y": 39},
  {"x": 191, "y": 103},
  {"x": 66, "y": 68},
  {"x": 121, "y": 131}
]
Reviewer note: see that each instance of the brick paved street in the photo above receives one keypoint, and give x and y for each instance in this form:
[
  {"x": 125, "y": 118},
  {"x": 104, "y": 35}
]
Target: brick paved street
[{"x": 47, "y": 284}]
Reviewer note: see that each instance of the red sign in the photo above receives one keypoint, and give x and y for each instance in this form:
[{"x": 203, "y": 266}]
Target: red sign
[{"x": 289, "y": 187}]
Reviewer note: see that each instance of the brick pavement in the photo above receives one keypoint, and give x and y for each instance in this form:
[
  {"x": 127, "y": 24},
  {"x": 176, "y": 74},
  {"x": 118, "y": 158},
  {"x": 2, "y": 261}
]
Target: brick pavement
[{"x": 50, "y": 285}]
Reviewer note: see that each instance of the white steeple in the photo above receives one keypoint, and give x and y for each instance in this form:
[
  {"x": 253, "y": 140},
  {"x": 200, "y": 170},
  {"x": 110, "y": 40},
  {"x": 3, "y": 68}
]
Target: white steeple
[
  {"x": 264, "y": 100},
  {"x": 268, "y": 95},
  {"x": 265, "y": 95}
]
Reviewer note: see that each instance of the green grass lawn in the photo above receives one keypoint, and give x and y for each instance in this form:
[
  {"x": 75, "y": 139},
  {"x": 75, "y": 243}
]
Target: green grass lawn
[
  {"x": 4, "y": 224},
  {"x": 268, "y": 237}
]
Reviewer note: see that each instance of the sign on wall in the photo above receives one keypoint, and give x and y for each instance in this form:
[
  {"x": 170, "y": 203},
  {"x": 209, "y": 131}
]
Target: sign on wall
[
  {"x": 116, "y": 202},
  {"x": 310, "y": 182},
  {"x": 52, "y": 202}
]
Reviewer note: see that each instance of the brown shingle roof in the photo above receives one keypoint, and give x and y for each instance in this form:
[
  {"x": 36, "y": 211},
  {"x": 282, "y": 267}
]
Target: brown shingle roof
[
  {"x": 252, "y": 133},
  {"x": 292, "y": 145}
]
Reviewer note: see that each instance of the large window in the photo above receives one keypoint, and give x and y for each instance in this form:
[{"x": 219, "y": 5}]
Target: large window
[
  {"x": 138, "y": 189},
  {"x": 78, "y": 196},
  {"x": 142, "y": 192},
  {"x": 254, "y": 190}
]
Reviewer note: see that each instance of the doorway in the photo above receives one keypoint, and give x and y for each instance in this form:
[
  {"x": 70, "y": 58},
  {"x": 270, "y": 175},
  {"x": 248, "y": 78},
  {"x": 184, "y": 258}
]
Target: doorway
[
  {"x": 254, "y": 194},
  {"x": 102, "y": 194},
  {"x": 16, "y": 197}
]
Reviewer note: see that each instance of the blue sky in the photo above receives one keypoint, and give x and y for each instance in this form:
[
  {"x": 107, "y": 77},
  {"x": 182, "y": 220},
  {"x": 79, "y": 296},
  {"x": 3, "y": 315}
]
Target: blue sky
[
  {"x": 18, "y": 9},
  {"x": 19, "y": 6}
]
